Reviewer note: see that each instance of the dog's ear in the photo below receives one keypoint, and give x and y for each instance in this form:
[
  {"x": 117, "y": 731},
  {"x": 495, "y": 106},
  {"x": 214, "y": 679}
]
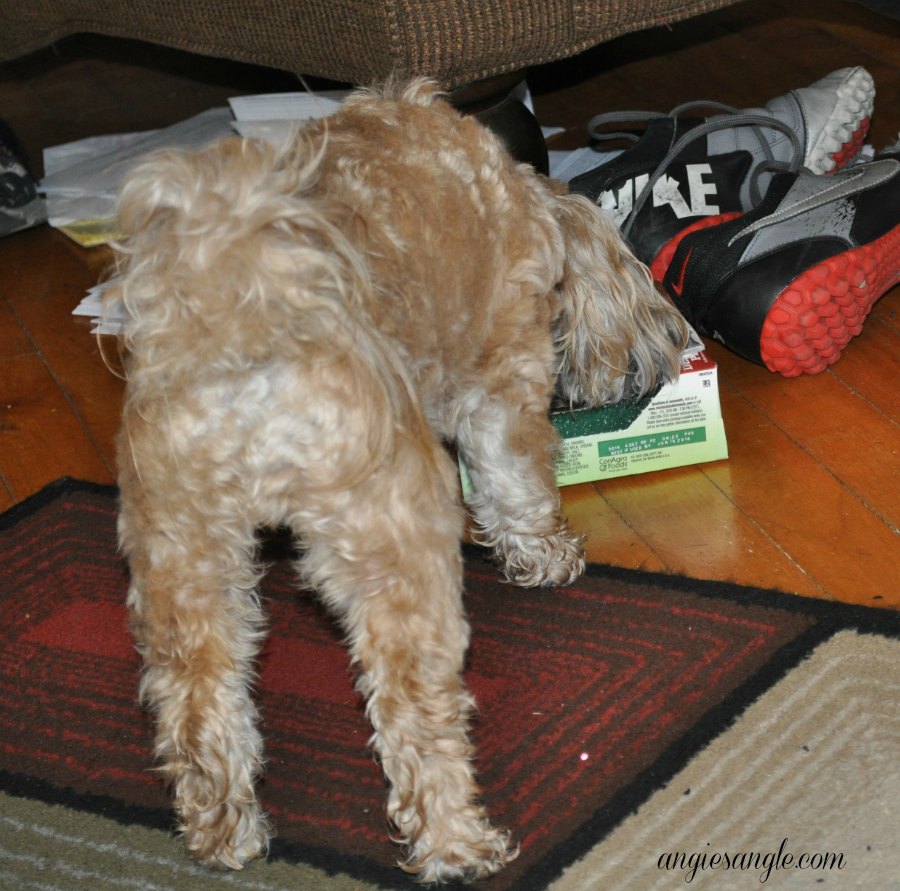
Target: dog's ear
[{"x": 616, "y": 336}]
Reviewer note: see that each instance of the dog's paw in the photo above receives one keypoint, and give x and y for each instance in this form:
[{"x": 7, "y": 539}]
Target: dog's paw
[
  {"x": 540, "y": 561},
  {"x": 476, "y": 852},
  {"x": 226, "y": 836}
]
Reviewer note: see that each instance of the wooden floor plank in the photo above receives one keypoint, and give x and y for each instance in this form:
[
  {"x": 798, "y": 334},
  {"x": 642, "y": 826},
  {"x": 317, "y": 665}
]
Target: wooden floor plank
[
  {"x": 871, "y": 368},
  {"x": 609, "y": 537},
  {"x": 53, "y": 276},
  {"x": 832, "y": 424},
  {"x": 13, "y": 340},
  {"x": 818, "y": 522},
  {"x": 887, "y": 310},
  {"x": 692, "y": 525},
  {"x": 866, "y": 31},
  {"x": 41, "y": 438}
]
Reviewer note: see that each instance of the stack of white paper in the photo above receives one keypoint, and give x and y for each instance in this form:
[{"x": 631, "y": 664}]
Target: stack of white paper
[
  {"x": 274, "y": 115},
  {"x": 82, "y": 178},
  {"x": 91, "y": 306}
]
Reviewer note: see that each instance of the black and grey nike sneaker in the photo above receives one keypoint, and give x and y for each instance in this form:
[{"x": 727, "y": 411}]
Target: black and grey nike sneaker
[
  {"x": 791, "y": 282},
  {"x": 684, "y": 169}
]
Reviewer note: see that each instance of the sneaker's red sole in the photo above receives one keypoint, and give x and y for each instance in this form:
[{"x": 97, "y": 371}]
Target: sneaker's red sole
[
  {"x": 815, "y": 317},
  {"x": 850, "y": 149}
]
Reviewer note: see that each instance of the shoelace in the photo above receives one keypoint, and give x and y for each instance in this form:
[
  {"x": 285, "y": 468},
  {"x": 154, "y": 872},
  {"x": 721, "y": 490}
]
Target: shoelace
[{"x": 737, "y": 118}]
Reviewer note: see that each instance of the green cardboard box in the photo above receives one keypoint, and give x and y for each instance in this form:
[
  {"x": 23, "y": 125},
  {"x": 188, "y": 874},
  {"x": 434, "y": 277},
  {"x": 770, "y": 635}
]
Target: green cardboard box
[{"x": 680, "y": 425}]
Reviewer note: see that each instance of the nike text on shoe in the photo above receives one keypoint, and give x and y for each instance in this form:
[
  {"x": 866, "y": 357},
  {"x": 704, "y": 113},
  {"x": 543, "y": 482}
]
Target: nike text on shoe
[
  {"x": 790, "y": 283},
  {"x": 683, "y": 169}
]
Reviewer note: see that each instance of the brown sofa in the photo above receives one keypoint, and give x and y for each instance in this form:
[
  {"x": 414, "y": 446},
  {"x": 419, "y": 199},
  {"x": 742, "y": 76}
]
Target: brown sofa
[{"x": 456, "y": 42}]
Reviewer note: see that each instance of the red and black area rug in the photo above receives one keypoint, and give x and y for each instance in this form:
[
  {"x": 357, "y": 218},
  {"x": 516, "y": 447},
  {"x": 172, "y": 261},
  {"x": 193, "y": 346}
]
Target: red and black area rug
[{"x": 597, "y": 703}]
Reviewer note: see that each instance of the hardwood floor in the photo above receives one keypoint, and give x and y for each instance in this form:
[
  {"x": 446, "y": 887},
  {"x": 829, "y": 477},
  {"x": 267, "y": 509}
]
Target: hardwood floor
[{"x": 808, "y": 500}]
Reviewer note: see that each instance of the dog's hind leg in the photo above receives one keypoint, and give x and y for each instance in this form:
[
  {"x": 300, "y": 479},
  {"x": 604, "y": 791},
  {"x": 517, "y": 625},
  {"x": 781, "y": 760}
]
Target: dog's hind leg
[
  {"x": 197, "y": 623},
  {"x": 384, "y": 554}
]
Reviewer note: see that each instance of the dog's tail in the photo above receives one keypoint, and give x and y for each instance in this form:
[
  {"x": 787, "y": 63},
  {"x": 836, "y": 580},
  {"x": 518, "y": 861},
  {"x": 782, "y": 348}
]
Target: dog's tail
[
  {"x": 216, "y": 238},
  {"x": 229, "y": 262},
  {"x": 231, "y": 248},
  {"x": 616, "y": 336}
]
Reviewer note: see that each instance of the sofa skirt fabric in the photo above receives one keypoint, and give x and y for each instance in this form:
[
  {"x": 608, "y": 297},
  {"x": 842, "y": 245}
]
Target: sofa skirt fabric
[{"x": 352, "y": 41}]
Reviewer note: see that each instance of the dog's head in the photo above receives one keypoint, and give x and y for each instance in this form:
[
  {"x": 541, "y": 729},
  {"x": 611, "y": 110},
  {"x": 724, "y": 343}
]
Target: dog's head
[{"x": 616, "y": 336}]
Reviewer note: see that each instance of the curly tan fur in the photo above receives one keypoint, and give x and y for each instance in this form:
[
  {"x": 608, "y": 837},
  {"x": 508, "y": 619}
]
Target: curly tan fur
[{"x": 305, "y": 325}]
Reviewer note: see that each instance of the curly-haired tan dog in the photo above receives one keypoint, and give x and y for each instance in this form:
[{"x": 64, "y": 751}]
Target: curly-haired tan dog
[{"x": 305, "y": 325}]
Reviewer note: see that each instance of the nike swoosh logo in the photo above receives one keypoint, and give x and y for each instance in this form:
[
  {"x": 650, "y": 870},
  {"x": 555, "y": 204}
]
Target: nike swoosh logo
[
  {"x": 678, "y": 286},
  {"x": 868, "y": 175}
]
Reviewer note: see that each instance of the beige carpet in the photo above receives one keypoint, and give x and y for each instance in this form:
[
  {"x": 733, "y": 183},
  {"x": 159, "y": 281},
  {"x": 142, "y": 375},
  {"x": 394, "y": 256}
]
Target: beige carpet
[
  {"x": 812, "y": 767},
  {"x": 45, "y": 847}
]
